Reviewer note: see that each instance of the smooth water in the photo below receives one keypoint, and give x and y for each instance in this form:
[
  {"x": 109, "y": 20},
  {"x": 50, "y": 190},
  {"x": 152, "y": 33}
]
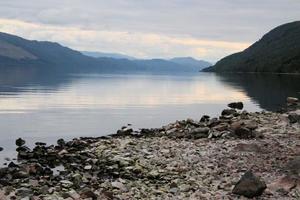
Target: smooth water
[{"x": 46, "y": 107}]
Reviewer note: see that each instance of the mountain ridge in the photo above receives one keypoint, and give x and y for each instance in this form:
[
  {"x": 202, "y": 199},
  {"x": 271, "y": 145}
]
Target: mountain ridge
[
  {"x": 44, "y": 55},
  {"x": 278, "y": 51}
]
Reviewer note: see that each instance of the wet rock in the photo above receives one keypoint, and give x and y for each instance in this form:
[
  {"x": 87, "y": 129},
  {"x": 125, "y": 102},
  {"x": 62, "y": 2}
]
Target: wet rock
[
  {"x": 249, "y": 186},
  {"x": 61, "y": 142},
  {"x": 125, "y": 131},
  {"x": 236, "y": 105},
  {"x": 228, "y": 112},
  {"x": 20, "y": 142},
  {"x": 40, "y": 143}
]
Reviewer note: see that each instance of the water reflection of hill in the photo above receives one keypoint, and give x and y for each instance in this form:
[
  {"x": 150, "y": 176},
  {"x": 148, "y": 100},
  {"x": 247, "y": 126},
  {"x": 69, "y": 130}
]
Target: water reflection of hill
[
  {"x": 269, "y": 91},
  {"x": 18, "y": 79}
]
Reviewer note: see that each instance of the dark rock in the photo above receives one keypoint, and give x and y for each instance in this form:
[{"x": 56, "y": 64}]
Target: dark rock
[
  {"x": 228, "y": 112},
  {"x": 40, "y": 144},
  {"x": 1, "y": 149},
  {"x": 213, "y": 122},
  {"x": 125, "y": 132},
  {"x": 199, "y": 132},
  {"x": 244, "y": 133},
  {"x": 20, "y": 142},
  {"x": 204, "y": 118},
  {"x": 20, "y": 175},
  {"x": 249, "y": 186},
  {"x": 87, "y": 193},
  {"x": 61, "y": 142},
  {"x": 294, "y": 118},
  {"x": 236, "y": 105},
  {"x": 13, "y": 165}
]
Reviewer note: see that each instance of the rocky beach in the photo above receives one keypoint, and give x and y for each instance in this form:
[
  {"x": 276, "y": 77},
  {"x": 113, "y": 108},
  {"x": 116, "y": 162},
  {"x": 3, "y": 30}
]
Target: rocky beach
[{"x": 238, "y": 155}]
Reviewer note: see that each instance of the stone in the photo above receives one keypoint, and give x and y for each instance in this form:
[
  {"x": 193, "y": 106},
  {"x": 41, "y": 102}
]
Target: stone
[
  {"x": 88, "y": 167},
  {"x": 292, "y": 100},
  {"x": 244, "y": 133},
  {"x": 286, "y": 184},
  {"x": 294, "y": 118},
  {"x": 61, "y": 142},
  {"x": 199, "y": 132},
  {"x": 119, "y": 185},
  {"x": 23, "y": 192},
  {"x": 293, "y": 166},
  {"x": 20, "y": 142},
  {"x": 66, "y": 183},
  {"x": 77, "y": 179},
  {"x": 125, "y": 132},
  {"x": 228, "y": 112},
  {"x": 73, "y": 194},
  {"x": 87, "y": 193},
  {"x": 1, "y": 148},
  {"x": 249, "y": 186},
  {"x": 236, "y": 105},
  {"x": 204, "y": 118}
]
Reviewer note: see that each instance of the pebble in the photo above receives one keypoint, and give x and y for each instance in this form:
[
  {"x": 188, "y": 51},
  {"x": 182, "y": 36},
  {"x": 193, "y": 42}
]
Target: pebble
[{"x": 187, "y": 159}]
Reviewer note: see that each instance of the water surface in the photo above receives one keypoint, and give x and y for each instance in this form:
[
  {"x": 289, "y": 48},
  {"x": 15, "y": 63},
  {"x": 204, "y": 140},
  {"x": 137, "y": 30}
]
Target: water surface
[{"x": 46, "y": 107}]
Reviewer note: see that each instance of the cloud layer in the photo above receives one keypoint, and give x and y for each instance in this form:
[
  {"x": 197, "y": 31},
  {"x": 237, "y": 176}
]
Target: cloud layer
[{"x": 203, "y": 29}]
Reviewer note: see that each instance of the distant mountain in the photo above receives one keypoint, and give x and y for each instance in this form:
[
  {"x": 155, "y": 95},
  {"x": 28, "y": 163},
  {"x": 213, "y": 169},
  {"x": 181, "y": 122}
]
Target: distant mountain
[
  {"x": 278, "y": 51},
  {"x": 16, "y": 51},
  {"x": 55, "y": 58},
  {"x": 191, "y": 62},
  {"x": 107, "y": 55}
]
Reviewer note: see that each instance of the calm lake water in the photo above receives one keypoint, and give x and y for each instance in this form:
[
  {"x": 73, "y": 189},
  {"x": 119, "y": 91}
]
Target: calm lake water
[{"x": 46, "y": 107}]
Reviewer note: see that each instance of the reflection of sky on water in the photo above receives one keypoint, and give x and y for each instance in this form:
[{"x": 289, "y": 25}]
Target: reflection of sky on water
[
  {"x": 40, "y": 107},
  {"x": 93, "y": 92}
]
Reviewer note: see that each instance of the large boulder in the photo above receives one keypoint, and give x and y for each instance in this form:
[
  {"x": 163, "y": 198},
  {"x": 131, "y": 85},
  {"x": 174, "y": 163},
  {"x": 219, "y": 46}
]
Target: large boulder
[{"x": 249, "y": 186}]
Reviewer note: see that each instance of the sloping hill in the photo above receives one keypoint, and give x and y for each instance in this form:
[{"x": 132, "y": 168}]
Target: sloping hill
[
  {"x": 18, "y": 52},
  {"x": 278, "y": 51}
]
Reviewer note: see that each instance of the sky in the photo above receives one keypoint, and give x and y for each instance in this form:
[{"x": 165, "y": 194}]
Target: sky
[{"x": 202, "y": 29}]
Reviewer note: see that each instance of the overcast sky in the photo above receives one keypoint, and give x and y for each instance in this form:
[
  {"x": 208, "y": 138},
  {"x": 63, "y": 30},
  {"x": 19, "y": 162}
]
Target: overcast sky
[{"x": 148, "y": 28}]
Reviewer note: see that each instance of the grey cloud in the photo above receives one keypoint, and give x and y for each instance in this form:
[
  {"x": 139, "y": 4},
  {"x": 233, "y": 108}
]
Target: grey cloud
[
  {"x": 225, "y": 20},
  {"x": 234, "y": 20}
]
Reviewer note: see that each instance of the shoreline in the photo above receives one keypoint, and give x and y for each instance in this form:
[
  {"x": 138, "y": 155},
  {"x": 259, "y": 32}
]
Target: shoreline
[{"x": 186, "y": 159}]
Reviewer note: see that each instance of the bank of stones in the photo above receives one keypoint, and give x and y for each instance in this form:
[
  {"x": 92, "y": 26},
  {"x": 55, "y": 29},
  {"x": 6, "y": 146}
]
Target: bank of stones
[{"x": 188, "y": 159}]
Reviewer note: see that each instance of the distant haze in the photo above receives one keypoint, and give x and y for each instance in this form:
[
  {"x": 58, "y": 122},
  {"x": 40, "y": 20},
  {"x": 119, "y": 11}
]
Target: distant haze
[{"x": 207, "y": 30}]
